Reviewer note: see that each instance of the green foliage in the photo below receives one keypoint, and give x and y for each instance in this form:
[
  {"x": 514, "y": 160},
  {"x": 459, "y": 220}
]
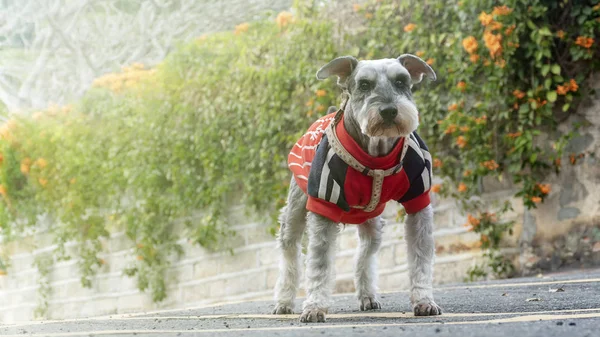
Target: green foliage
[
  {"x": 160, "y": 154},
  {"x": 509, "y": 72}
]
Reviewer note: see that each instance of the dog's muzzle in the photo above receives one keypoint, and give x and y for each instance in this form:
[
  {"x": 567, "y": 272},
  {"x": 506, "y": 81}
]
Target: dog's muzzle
[{"x": 388, "y": 113}]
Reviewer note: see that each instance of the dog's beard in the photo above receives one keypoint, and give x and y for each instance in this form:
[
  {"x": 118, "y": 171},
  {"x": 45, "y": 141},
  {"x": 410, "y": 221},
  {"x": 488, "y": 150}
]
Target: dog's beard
[{"x": 402, "y": 125}]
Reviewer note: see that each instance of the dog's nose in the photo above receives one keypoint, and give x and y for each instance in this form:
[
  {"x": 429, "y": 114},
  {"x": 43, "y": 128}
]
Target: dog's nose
[{"x": 388, "y": 113}]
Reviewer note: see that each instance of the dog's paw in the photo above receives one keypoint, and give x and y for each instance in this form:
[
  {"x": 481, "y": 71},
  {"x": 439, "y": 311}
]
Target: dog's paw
[
  {"x": 313, "y": 315},
  {"x": 427, "y": 308},
  {"x": 282, "y": 309},
  {"x": 369, "y": 303}
]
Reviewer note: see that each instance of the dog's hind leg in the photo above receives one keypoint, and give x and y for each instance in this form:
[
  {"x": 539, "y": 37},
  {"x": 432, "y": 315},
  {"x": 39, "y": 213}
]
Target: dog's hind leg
[
  {"x": 293, "y": 222},
  {"x": 322, "y": 235},
  {"x": 420, "y": 252},
  {"x": 365, "y": 267}
]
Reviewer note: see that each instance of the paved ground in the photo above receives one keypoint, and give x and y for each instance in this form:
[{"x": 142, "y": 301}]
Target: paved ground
[{"x": 517, "y": 307}]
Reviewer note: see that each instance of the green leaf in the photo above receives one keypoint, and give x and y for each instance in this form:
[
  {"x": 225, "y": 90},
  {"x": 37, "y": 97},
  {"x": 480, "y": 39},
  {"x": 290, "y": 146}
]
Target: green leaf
[
  {"x": 566, "y": 107},
  {"x": 545, "y": 31},
  {"x": 545, "y": 69},
  {"x": 555, "y": 69},
  {"x": 551, "y": 96}
]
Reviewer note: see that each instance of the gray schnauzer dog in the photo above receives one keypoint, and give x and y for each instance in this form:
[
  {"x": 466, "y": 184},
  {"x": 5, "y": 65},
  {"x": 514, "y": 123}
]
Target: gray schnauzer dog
[{"x": 376, "y": 124}]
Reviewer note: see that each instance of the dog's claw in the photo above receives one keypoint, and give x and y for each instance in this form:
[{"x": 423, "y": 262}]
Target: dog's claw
[
  {"x": 282, "y": 309},
  {"x": 369, "y": 303},
  {"x": 312, "y": 316},
  {"x": 428, "y": 308}
]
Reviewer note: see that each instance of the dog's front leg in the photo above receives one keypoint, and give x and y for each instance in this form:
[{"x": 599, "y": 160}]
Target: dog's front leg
[
  {"x": 322, "y": 234},
  {"x": 365, "y": 268},
  {"x": 421, "y": 251}
]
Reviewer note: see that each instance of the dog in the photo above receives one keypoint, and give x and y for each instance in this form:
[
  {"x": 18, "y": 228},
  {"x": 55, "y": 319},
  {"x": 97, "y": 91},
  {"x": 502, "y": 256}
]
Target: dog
[{"x": 345, "y": 168}]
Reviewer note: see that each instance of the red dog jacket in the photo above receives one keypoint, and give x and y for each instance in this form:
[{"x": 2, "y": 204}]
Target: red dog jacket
[{"x": 345, "y": 184}]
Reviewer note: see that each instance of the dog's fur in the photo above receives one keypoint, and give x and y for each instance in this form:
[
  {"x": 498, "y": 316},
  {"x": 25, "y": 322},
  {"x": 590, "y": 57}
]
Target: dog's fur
[{"x": 380, "y": 111}]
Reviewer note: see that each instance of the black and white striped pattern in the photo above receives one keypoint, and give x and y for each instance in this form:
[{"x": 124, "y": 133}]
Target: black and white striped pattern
[
  {"x": 417, "y": 166},
  {"x": 327, "y": 181},
  {"x": 328, "y": 172}
]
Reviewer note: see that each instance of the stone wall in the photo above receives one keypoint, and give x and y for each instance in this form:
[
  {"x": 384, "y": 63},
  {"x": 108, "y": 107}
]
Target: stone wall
[{"x": 201, "y": 277}]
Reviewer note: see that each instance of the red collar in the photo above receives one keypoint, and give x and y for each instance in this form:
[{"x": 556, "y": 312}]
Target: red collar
[{"x": 382, "y": 163}]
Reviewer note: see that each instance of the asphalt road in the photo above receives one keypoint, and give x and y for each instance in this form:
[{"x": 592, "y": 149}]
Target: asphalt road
[{"x": 516, "y": 307}]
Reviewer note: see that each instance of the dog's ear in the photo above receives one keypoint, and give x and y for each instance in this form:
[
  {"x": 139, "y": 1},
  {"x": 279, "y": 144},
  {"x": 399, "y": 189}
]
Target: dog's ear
[
  {"x": 416, "y": 67},
  {"x": 342, "y": 67}
]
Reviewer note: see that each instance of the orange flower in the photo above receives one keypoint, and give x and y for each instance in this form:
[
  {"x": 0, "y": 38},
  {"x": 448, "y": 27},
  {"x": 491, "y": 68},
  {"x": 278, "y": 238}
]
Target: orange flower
[
  {"x": 473, "y": 221},
  {"x": 462, "y": 86},
  {"x": 452, "y": 107},
  {"x": 470, "y": 44},
  {"x": 596, "y": 8},
  {"x": 465, "y": 128},
  {"x": 516, "y": 106},
  {"x": 241, "y": 28},
  {"x": 560, "y": 34},
  {"x": 544, "y": 188},
  {"x": 1, "y": 158},
  {"x": 139, "y": 257},
  {"x": 500, "y": 63},
  {"x": 474, "y": 58},
  {"x": 43, "y": 181},
  {"x": 283, "y": 19},
  {"x": 495, "y": 25},
  {"x": 450, "y": 129},
  {"x": 493, "y": 43},
  {"x": 420, "y": 53},
  {"x": 536, "y": 199},
  {"x": 518, "y": 94},
  {"x": 437, "y": 163},
  {"x": 321, "y": 93},
  {"x": 41, "y": 163},
  {"x": 557, "y": 162},
  {"x": 485, "y": 18},
  {"x": 410, "y": 27},
  {"x": 490, "y": 164},
  {"x": 3, "y": 191},
  {"x": 584, "y": 41},
  {"x": 320, "y": 108},
  {"x": 515, "y": 134},
  {"x": 562, "y": 89},
  {"x": 501, "y": 10},
  {"x": 102, "y": 261},
  {"x": 461, "y": 141},
  {"x": 484, "y": 238},
  {"x": 462, "y": 187},
  {"x": 73, "y": 181},
  {"x": 467, "y": 173},
  {"x": 436, "y": 188},
  {"x": 430, "y": 61},
  {"x": 509, "y": 30},
  {"x": 368, "y": 15},
  {"x": 573, "y": 85},
  {"x": 310, "y": 102},
  {"x": 356, "y": 7},
  {"x": 481, "y": 120},
  {"x": 25, "y": 165},
  {"x": 572, "y": 159}
]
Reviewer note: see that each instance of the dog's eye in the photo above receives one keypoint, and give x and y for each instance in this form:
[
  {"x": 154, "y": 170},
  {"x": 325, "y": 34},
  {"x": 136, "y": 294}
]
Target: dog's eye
[
  {"x": 399, "y": 83},
  {"x": 364, "y": 85}
]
